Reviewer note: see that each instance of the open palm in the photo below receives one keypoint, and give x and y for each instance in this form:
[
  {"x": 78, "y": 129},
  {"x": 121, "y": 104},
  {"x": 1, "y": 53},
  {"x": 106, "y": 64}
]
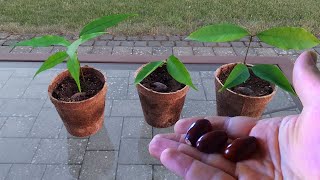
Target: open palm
[{"x": 289, "y": 146}]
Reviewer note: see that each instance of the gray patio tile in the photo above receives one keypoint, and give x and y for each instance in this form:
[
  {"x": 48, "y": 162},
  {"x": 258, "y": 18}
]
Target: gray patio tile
[
  {"x": 10, "y": 42},
  {"x": 4, "y": 170},
  {"x": 119, "y": 50},
  {"x": 280, "y": 100},
  {"x": 209, "y": 89},
  {"x": 196, "y": 44},
  {"x": 210, "y": 44},
  {"x": 195, "y": 76},
  {"x": 88, "y": 43},
  {"x": 107, "y": 108},
  {"x": 120, "y": 38},
  {"x": 40, "y": 50},
  {"x": 265, "y": 116},
  {"x": 161, "y": 38},
  {"x": 106, "y": 37},
  {"x": 117, "y": 74},
  {"x": 107, "y": 50},
  {"x": 196, "y": 95},
  {"x": 14, "y": 36},
  {"x": 134, "y": 127},
  {"x": 253, "y": 44},
  {"x": 4, "y": 35},
  {"x": 224, "y": 44},
  {"x": 58, "y": 48},
  {"x": 284, "y": 52},
  {"x": 207, "y": 74},
  {"x": 85, "y": 49},
  {"x": 182, "y": 51},
  {"x": 48, "y": 104},
  {"x": 284, "y": 113},
  {"x": 4, "y": 77},
  {"x": 48, "y": 124},
  {"x": 5, "y": 49},
  {"x": 203, "y": 51},
  {"x": 198, "y": 108},
  {"x": 2, "y": 121},
  {"x": 224, "y": 51},
  {"x": 118, "y": 88},
  {"x": 168, "y": 43},
  {"x": 140, "y": 44},
  {"x": 127, "y": 43},
  {"x": 160, "y": 173},
  {"x": 135, "y": 151},
  {"x": 133, "y": 38},
  {"x": 61, "y": 172},
  {"x": 131, "y": 77},
  {"x": 237, "y": 44},
  {"x": 162, "y": 51},
  {"x": 14, "y": 87},
  {"x": 126, "y": 108},
  {"x": 132, "y": 92},
  {"x": 174, "y": 38},
  {"x": 2, "y": 41},
  {"x": 60, "y": 151},
  {"x": 21, "y": 107},
  {"x": 134, "y": 172},
  {"x": 17, "y": 127},
  {"x": 114, "y": 43},
  {"x": 182, "y": 43},
  {"x": 154, "y": 43},
  {"x": 17, "y": 150},
  {"x": 26, "y": 171},
  {"x": 99, "y": 165},
  {"x": 163, "y": 130},
  {"x": 142, "y": 51},
  {"x": 36, "y": 91},
  {"x": 65, "y": 135},
  {"x": 46, "y": 77},
  {"x": 265, "y": 52},
  {"x": 108, "y": 138},
  {"x": 21, "y": 49},
  {"x": 241, "y": 51},
  {"x": 100, "y": 43},
  {"x": 24, "y": 72}
]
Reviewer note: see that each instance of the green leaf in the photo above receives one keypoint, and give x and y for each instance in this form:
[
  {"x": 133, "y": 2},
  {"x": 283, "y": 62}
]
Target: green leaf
[
  {"x": 179, "y": 72},
  {"x": 147, "y": 70},
  {"x": 74, "y": 69},
  {"x": 44, "y": 41},
  {"x": 219, "y": 33},
  {"x": 74, "y": 46},
  {"x": 274, "y": 75},
  {"x": 52, "y": 61},
  {"x": 289, "y": 38},
  {"x": 239, "y": 74},
  {"x": 101, "y": 24}
]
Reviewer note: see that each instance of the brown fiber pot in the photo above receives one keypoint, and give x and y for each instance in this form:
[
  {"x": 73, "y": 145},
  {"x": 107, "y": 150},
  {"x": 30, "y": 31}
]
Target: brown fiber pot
[
  {"x": 161, "y": 110},
  {"x": 230, "y": 103},
  {"x": 82, "y": 118}
]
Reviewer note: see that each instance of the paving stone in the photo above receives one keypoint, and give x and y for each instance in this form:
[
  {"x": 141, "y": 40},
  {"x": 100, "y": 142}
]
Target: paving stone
[
  {"x": 140, "y": 43},
  {"x": 154, "y": 43},
  {"x": 126, "y": 108},
  {"x": 163, "y": 130},
  {"x": 58, "y": 48},
  {"x": 160, "y": 173},
  {"x": 284, "y": 113},
  {"x": 161, "y": 38},
  {"x": 224, "y": 44},
  {"x": 265, "y": 52},
  {"x": 284, "y": 52},
  {"x": 14, "y": 36},
  {"x": 196, "y": 44},
  {"x": 60, "y": 172},
  {"x": 131, "y": 77},
  {"x": 3, "y": 35},
  {"x": 198, "y": 108},
  {"x": 118, "y": 50},
  {"x": 60, "y": 151},
  {"x": 48, "y": 104},
  {"x": 14, "y": 87},
  {"x": 280, "y": 100},
  {"x": 100, "y": 43},
  {"x": 132, "y": 92},
  {"x": 134, "y": 127},
  {"x": 174, "y": 38},
  {"x": 210, "y": 44},
  {"x": 21, "y": 50},
  {"x": 17, "y": 127},
  {"x": 106, "y": 37},
  {"x": 265, "y": 116},
  {"x": 142, "y": 51},
  {"x": 108, "y": 107},
  {"x": 209, "y": 88},
  {"x": 21, "y": 107},
  {"x": 147, "y": 38},
  {"x": 40, "y": 50},
  {"x": 70, "y": 37},
  {"x": 127, "y": 43},
  {"x": 107, "y": 50},
  {"x": 45, "y": 78},
  {"x": 196, "y": 95},
  {"x": 17, "y": 150},
  {"x": 318, "y": 50},
  {"x": 114, "y": 43},
  {"x": 99, "y": 165},
  {"x": 162, "y": 51},
  {"x": 203, "y": 51},
  {"x": 2, "y": 41},
  {"x": 182, "y": 51},
  {"x": 253, "y": 44},
  {"x": 36, "y": 91},
  {"x": 118, "y": 88},
  {"x": 182, "y": 43},
  {"x": 47, "y": 119},
  {"x": 4, "y": 170},
  {"x": 88, "y": 43},
  {"x": 265, "y": 45},
  {"x": 108, "y": 138},
  {"x": 2, "y": 121},
  {"x": 135, "y": 151},
  {"x": 242, "y": 51},
  {"x": 224, "y": 51},
  {"x": 207, "y": 74},
  {"x": 4, "y": 77},
  {"x": 167, "y": 43},
  {"x": 85, "y": 49},
  {"x": 237, "y": 44},
  {"x": 135, "y": 172},
  {"x": 117, "y": 74},
  {"x": 133, "y": 38},
  {"x": 26, "y": 171},
  {"x": 195, "y": 76},
  {"x": 10, "y": 42},
  {"x": 120, "y": 38},
  {"x": 5, "y": 49}
]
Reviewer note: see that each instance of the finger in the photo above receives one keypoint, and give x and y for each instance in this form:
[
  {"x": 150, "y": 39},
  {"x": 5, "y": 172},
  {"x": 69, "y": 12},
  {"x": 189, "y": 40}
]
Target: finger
[
  {"x": 306, "y": 78},
  {"x": 190, "y": 168},
  {"x": 235, "y": 126},
  {"x": 159, "y": 144}
]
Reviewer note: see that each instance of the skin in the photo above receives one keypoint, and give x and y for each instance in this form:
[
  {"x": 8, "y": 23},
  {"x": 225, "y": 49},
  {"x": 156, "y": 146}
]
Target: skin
[{"x": 289, "y": 146}]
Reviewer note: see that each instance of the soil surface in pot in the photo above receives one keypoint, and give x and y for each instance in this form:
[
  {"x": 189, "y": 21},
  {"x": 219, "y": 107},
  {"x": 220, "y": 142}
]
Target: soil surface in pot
[
  {"x": 161, "y": 81},
  {"x": 254, "y": 86},
  {"x": 67, "y": 90}
]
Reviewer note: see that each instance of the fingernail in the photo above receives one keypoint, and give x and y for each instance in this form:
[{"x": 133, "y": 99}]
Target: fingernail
[{"x": 314, "y": 56}]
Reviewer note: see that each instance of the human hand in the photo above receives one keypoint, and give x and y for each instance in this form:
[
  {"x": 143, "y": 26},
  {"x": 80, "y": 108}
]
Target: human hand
[{"x": 289, "y": 146}]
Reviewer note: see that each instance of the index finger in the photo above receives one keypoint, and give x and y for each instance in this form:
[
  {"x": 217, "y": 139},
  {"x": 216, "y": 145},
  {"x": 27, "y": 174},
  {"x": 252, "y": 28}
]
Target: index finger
[{"x": 235, "y": 126}]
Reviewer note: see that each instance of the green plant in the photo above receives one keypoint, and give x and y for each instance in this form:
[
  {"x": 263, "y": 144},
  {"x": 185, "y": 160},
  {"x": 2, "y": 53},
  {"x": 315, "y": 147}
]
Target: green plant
[
  {"x": 174, "y": 67},
  {"x": 281, "y": 37},
  {"x": 90, "y": 31}
]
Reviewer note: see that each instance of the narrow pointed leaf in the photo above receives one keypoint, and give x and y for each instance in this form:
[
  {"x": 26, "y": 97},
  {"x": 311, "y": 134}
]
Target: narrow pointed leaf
[
  {"x": 238, "y": 75},
  {"x": 147, "y": 70},
  {"x": 179, "y": 72},
  {"x": 274, "y": 75},
  {"x": 289, "y": 38},
  {"x": 218, "y": 33},
  {"x": 74, "y": 69},
  {"x": 74, "y": 46},
  {"x": 44, "y": 41},
  {"x": 101, "y": 24},
  {"x": 52, "y": 61}
]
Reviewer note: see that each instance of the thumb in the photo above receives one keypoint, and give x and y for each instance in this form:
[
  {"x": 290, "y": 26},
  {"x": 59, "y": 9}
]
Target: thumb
[{"x": 306, "y": 78}]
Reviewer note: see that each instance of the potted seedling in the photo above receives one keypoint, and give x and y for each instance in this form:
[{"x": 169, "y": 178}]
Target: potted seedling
[
  {"x": 245, "y": 89},
  {"x": 78, "y": 93},
  {"x": 162, "y": 87}
]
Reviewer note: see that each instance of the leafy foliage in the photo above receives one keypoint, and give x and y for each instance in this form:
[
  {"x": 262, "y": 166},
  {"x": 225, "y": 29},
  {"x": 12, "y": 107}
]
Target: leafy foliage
[
  {"x": 44, "y": 41},
  {"x": 73, "y": 66},
  {"x": 147, "y": 70},
  {"x": 238, "y": 75}
]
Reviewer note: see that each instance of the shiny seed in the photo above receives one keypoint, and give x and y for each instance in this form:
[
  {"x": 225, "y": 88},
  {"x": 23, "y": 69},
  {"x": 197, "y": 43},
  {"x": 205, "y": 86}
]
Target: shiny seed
[
  {"x": 159, "y": 87},
  {"x": 241, "y": 149},
  {"x": 212, "y": 142},
  {"x": 196, "y": 130}
]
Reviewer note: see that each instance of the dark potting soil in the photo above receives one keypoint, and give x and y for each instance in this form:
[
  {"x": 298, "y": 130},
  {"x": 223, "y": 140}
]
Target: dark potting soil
[
  {"x": 254, "y": 86},
  {"x": 67, "y": 90},
  {"x": 161, "y": 81}
]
